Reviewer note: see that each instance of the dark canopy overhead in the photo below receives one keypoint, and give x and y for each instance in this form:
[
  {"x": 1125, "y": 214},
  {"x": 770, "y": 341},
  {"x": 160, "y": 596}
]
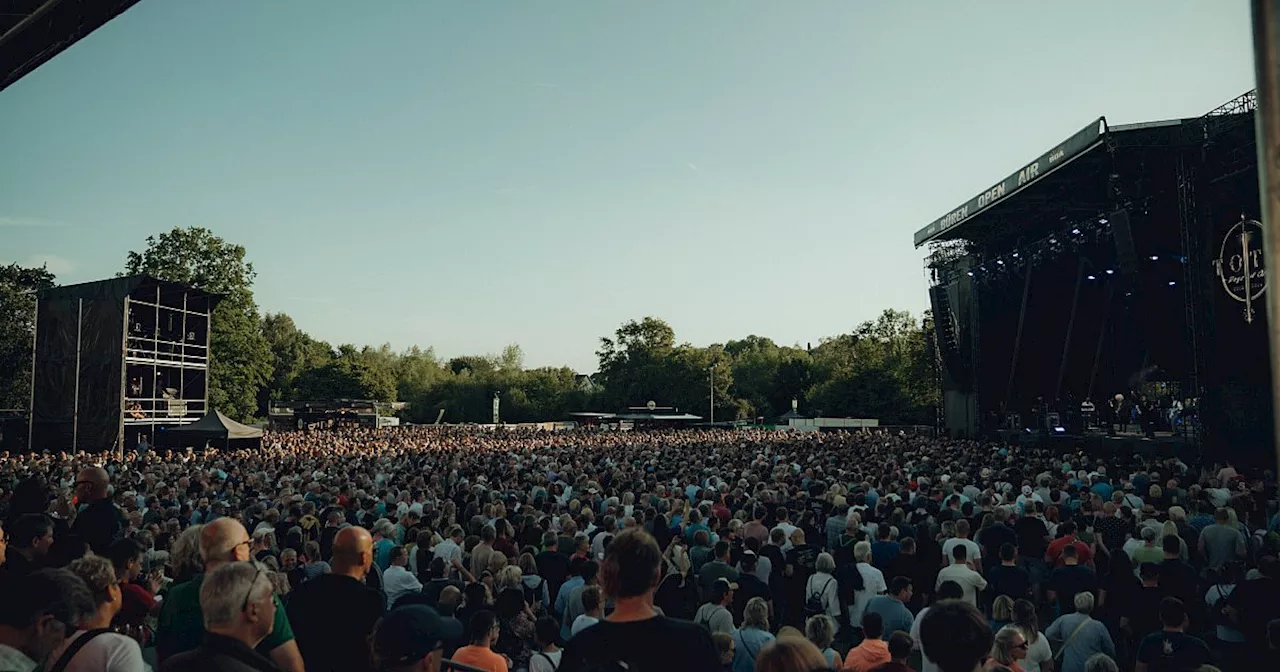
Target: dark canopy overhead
[
  {"x": 34, "y": 31},
  {"x": 214, "y": 426}
]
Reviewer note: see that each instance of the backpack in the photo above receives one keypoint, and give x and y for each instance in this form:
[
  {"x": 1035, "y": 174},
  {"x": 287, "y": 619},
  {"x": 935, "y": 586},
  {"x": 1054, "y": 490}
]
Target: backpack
[
  {"x": 533, "y": 594},
  {"x": 813, "y": 605},
  {"x": 1219, "y": 613}
]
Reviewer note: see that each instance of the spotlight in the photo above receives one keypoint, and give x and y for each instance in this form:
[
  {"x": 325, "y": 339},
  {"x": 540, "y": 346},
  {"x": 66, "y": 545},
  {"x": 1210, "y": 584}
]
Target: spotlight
[
  {"x": 1053, "y": 241},
  {"x": 1102, "y": 220},
  {"x": 1015, "y": 255},
  {"x": 1155, "y": 257},
  {"x": 970, "y": 273},
  {"x": 1000, "y": 262},
  {"x": 1076, "y": 231},
  {"x": 1092, "y": 276},
  {"x": 1172, "y": 283},
  {"x": 1110, "y": 272}
]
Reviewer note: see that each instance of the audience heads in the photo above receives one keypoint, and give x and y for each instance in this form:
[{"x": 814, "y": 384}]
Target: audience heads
[{"x": 955, "y": 636}]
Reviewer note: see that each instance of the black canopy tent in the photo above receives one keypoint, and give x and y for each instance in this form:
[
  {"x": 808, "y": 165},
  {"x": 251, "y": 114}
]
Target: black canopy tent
[{"x": 213, "y": 428}]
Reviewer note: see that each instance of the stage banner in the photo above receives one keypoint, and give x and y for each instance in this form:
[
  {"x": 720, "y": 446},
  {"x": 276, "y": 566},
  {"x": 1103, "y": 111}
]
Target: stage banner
[{"x": 1082, "y": 141}]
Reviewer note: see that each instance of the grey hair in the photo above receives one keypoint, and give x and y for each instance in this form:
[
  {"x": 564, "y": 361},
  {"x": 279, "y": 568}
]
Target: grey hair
[
  {"x": 1100, "y": 662},
  {"x": 825, "y": 563},
  {"x": 185, "y": 553},
  {"x": 1084, "y": 602},
  {"x": 756, "y": 614},
  {"x": 861, "y": 551},
  {"x": 224, "y": 590},
  {"x": 1148, "y": 534}
]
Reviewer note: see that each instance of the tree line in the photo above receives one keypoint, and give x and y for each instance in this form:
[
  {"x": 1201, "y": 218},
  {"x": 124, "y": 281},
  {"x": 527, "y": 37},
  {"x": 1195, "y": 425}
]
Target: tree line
[{"x": 884, "y": 368}]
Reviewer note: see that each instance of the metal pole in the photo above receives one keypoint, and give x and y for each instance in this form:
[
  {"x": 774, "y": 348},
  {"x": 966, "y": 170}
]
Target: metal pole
[
  {"x": 31, "y": 409},
  {"x": 1017, "y": 339},
  {"x": 1071, "y": 324},
  {"x": 75, "y": 403},
  {"x": 713, "y": 394},
  {"x": 1266, "y": 54},
  {"x": 124, "y": 376}
]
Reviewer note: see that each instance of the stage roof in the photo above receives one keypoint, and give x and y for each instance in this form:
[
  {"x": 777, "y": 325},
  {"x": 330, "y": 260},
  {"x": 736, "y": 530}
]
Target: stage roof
[
  {"x": 118, "y": 288},
  {"x": 1079, "y": 144},
  {"x": 34, "y": 31}
]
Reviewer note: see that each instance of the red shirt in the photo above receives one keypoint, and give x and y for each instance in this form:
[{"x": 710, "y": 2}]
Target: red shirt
[{"x": 1053, "y": 555}]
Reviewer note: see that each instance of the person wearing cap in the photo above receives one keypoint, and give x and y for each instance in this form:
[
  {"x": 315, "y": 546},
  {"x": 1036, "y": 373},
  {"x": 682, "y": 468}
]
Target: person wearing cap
[
  {"x": 715, "y": 615},
  {"x": 483, "y": 632},
  {"x": 412, "y": 639}
]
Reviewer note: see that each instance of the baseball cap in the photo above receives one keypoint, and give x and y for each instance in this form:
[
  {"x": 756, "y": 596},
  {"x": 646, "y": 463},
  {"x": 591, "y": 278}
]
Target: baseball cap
[
  {"x": 408, "y": 634},
  {"x": 721, "y": 587}
]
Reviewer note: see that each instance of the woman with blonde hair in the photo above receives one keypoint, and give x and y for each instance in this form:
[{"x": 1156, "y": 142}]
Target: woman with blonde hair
[
  {"x": 1001, "y": 612},
  {"x": 753, "y": 636},
  {"x": 790, "y": 654},
  {"x": 1009, "y": 649},
  {"x": 1170, "y": 529},
  {"x": 677, "y": 593},
  {"x": 821, "y": 630}
]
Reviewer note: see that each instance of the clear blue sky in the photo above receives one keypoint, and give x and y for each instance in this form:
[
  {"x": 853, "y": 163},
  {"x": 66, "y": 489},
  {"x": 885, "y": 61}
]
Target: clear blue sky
[{"x": 465, "y": 175}]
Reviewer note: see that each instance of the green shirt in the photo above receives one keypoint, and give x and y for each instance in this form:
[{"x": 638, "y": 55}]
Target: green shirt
[{"x": 181, "y": 626}]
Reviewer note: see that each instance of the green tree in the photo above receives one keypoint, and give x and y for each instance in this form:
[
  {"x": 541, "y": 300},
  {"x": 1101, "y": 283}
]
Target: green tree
[
  {"x": 241, "y": 360},
  {"x": 634, "y": 364},
  {"x": 881, "y": 370},
  {"x": 18, "y": 285},
  {"x": 417, "y": 370},
  {"x": 351, "y": 374},
  {"x": 293, "y": 352}
]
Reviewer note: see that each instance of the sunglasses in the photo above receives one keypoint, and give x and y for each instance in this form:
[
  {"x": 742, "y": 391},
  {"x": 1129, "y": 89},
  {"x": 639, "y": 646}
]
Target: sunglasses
[{"x": 244, "y": 606}]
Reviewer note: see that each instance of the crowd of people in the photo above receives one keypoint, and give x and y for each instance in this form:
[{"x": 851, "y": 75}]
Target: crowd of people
[{"x": 412, "y": 548}]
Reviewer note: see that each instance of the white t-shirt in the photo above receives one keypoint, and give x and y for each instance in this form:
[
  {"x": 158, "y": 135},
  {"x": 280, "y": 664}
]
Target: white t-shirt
[
  {"x": 108, "y": 652},
  {"x": 969, "y": 580},
  {"x": 1037, "y": 653},
  {"x": 972, "y": 549},
  {"x": 926, "y": 665},
  {"x": 449, "y": 551},
  {"x": 582, "y": 622},
  {"x": 539, "y": 661},
  {"x": 872, "y": 584}
]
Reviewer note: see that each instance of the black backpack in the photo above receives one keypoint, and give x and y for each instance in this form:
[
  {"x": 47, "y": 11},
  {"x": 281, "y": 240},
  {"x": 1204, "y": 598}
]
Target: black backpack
[
  {"x": 813, "y": 605},
  {"x": 533, "y": 594}
]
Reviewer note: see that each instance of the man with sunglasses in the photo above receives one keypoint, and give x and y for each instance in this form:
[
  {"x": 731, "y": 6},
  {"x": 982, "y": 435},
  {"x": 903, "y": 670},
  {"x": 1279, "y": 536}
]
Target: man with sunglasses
[
  {"x": 182, "y": 624},
  {"x": 239, "y": 611}
]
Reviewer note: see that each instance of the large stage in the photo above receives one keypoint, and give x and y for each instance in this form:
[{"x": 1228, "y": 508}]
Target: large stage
[
  {"x": 1125, "y": 260},
  {"x": 1100, "y": 444}
]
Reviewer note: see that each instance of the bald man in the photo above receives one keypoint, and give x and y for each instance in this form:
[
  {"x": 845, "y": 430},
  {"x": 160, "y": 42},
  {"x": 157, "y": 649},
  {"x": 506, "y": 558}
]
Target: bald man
[
  {"x": 99, "y": 523},
  {"x": 333, "y": 614},
  {"x": 182, "y": 627}
]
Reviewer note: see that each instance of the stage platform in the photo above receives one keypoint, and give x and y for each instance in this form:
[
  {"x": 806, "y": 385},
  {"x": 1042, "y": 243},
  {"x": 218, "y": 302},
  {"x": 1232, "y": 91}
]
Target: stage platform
[{"x": 1097, "y": 442}]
